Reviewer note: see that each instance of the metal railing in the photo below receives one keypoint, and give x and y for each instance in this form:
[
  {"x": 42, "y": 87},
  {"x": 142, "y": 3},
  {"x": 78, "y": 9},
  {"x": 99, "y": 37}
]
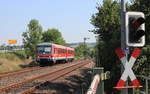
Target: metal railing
[
  {"x": 97, "y": 85},
  {"x": 145, "y": 83},
  {"x": 94, "y": 85}
]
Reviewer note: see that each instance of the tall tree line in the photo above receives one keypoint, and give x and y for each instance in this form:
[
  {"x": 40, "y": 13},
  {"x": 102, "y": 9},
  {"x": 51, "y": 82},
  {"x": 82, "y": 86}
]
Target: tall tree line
[{"x": 107, "y": 23}]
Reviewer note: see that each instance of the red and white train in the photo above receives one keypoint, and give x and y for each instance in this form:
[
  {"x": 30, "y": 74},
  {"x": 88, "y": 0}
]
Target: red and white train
[{"x": 50, "y": 52}]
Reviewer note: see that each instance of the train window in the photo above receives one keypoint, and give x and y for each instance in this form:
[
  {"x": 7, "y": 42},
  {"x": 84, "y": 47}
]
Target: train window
[
  {"x": 70, "y": 52},
  {"x": 47, "y": 49},
  {"x": 55, "y": 50},
  {"x": 59, "y": 51},
  {"x": 63, "y": 50},
  {"x": 43, "y": 50}
]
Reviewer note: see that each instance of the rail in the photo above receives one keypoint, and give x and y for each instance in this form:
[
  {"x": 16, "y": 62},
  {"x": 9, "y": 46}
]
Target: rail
[
  {"x": 61, "y": 74},
  {"x": 53, "y": 75},
  {"x": 146, "y": 83},
  {"x": 17, "y": 72}
]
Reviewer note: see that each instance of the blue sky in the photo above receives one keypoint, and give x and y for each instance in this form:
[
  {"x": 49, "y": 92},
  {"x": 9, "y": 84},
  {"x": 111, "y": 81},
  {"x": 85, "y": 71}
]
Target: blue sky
[{"x": 71, "y": 17}]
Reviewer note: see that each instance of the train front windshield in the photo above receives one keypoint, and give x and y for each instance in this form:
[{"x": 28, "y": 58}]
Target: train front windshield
[{"x": 43, "y": 50}]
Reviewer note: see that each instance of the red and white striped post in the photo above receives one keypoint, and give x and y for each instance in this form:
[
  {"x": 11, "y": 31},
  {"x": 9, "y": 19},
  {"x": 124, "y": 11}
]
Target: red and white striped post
[
  {"x": 94, "y": 85},
  {"x": 128, "y": 71}
]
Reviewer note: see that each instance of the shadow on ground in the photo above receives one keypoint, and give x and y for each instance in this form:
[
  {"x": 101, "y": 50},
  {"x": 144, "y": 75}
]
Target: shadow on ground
[
  {"x": 31, "y": 64},
  {"x": 75, "y": 84}
]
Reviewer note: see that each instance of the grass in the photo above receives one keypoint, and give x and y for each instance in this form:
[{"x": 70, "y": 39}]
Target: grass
[
  {"x": 11, "y": 61},
  {"x": 9, "y": 66}
]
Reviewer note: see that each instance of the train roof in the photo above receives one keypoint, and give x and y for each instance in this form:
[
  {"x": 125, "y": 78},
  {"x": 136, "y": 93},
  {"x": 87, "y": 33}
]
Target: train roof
[
  {"x": 49, "y": 44},
  {"x": 45, "y": 43}
]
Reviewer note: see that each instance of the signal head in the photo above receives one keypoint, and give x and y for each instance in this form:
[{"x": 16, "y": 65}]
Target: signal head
[{"x": 135, "y": 29}]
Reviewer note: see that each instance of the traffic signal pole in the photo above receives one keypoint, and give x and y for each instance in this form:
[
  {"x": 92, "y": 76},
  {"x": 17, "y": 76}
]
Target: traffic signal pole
[
  {"x": 123, "y": 11},
  {"x": 123, "y": 45}
]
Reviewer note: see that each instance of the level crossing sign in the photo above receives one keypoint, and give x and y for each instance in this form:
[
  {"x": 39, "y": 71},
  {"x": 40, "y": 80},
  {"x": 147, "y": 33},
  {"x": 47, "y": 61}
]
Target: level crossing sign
[{"x": 128, "y": 71}]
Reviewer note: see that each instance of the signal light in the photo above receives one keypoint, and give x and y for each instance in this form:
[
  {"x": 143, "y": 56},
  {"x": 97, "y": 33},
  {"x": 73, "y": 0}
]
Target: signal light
[
  {"x": 135, "y": 29},
  {"x": 138, "y": 22}
]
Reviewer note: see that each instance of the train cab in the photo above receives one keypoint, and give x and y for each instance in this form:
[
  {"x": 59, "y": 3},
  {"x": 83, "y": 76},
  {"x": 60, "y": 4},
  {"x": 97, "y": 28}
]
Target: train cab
[{"x": 44, "y": 52}]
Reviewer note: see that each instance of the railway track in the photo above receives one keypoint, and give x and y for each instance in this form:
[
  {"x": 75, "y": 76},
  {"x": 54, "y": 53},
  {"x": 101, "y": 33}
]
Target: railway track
[
  {"x": 17, "y": 72},
  {"x": 29, "y": 85}
]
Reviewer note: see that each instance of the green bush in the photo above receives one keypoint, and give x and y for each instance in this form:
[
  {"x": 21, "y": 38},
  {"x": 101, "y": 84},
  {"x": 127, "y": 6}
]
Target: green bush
[
  {"x": 20, "y": 54},
  {"x": 137, "y": 91},
  {"x": 12, "y": 55}
]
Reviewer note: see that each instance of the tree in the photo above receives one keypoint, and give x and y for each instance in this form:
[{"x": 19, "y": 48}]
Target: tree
[
  {"x": 32, "y": 37},
  {"x": 107, "y": 25},
  {"x": 53, "y": 36},
  {"x": 82, "y": 51}
]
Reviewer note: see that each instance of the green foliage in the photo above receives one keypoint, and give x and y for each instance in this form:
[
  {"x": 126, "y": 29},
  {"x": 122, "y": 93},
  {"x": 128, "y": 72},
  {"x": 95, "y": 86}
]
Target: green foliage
[
  {"x": 20, "y": 54},
  {"x": 53, "y": 36},
  {"x": 137, "y": 91},
  {"x": 9, "y": 56},
  {"x": 32, "y": 37},
  {"x": 93, "y": 53},
  {"x": 107, "y": 25},
  {"x": 107, "y": 20},
  {"x": 79, "y": 51},
  {"x": 83, "y": 51}
]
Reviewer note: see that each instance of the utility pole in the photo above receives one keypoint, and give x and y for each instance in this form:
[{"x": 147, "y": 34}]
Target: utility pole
[
  {"x": 85, "y": 38},
  {"x": 123, "y": 45}
]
